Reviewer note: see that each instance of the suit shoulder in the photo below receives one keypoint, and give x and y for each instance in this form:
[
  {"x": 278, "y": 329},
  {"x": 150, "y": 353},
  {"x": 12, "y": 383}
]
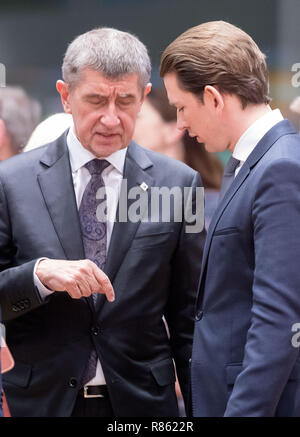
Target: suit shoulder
[
  {"x": 286, "y": 147},
  {"x": 169, "y": 164},
  {"x": 25, "y": 161},
  {"x": 21, "y": 161}
]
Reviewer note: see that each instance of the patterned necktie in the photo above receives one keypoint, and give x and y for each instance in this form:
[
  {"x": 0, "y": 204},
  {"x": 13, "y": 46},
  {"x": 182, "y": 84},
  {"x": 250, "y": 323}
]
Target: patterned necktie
[
  {"x": 228, "y": 176},
  {"x": 93, "y": 235}
]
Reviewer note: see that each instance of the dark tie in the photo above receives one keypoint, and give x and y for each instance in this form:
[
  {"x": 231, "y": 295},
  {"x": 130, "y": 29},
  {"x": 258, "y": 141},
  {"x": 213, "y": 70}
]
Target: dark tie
[
  {"x": 228, "y": 176},
  {"x": 93, "y": 236}
]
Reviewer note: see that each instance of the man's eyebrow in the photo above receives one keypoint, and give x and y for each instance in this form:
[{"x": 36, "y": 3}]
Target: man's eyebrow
[
  {"x": 97, "y": 95},
  {"x": 172, "y": 103},
  {"x": 103, "y": 96},
  {"x": 126, "y": 96}
]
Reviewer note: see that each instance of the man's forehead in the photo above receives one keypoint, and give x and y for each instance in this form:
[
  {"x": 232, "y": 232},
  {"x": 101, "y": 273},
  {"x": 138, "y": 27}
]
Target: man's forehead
[
  {"x": 127, "y": 84},
  {"x": 172, "y": 87}
]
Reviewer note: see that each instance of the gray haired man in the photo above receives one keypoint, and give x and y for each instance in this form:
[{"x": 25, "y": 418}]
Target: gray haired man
[{"x": 78, "y": 352}]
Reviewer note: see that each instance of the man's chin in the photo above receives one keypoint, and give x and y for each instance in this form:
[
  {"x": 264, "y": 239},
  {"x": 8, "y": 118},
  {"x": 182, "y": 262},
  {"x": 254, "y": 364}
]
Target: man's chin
[
  {"x": 105, "y": 150},
  {"x": 207, "y": 147}
]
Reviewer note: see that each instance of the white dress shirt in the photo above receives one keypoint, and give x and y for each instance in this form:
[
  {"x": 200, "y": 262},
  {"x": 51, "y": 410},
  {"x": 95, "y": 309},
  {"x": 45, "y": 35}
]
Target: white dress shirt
[
  {"x": 112, "y": 177},
  {"x": 253, "y": 135}
]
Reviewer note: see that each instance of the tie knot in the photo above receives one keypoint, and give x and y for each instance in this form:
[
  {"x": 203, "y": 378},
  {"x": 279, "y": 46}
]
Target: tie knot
[
  {"x": 96, "y": 166},
  {"x": 231, "y": 166}
]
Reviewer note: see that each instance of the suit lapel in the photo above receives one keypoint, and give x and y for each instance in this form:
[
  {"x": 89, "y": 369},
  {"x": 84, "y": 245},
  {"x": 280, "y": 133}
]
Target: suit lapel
[
  {"x": 58, "y": 191},
  {"x": 123, "y": 233},
  {"x": 237, "y": 182},
  {"x": 282, "y": 128}
]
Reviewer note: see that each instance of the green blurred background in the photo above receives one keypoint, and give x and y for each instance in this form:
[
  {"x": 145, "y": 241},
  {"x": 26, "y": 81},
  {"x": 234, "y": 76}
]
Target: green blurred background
[{"x": 34, "y": 35}]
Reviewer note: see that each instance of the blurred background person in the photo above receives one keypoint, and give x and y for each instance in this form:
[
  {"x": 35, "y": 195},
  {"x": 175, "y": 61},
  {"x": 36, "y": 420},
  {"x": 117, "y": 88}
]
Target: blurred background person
[
  {"x": 1, "y": 394},
  {"x": 156, "y": 130},
  {"x": 19, "y": 115},
  {"x": 295, "y": 108},
  {"x": 7, "y": 363},
  {"x": 49, "y": 130}
]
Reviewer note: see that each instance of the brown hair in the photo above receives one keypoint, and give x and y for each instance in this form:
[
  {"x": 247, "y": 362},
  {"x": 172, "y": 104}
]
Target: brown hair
[
  {"x": 207, "y": 164},
  {"x": 218, "y": 54}
]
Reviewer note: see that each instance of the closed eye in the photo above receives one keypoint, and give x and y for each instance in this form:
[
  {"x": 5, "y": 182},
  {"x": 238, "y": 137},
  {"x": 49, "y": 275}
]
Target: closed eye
[
  {"x": 96, "y": 100},
  {"x": 126, "y": 101}
]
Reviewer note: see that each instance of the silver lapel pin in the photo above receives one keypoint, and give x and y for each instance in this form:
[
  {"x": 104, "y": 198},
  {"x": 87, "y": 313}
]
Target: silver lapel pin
[{"x": 144, "y": 186}]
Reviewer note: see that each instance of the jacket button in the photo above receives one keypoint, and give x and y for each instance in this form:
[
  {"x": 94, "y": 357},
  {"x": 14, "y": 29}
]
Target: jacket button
[
  {"x": 199, "y": 315},
  {"x": 95, "y": 330},
  {"x": 27, "y": 303},
  {"x": 73, "y": 382}
]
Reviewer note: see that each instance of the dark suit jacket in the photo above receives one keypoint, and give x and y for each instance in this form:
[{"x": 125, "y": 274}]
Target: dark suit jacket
[
  {"x": 243, "y": 362},
  {"x": 153, "y": 267}
]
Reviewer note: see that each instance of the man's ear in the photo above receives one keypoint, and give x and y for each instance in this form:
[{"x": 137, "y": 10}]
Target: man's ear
[
  {"x": 213, "y": 98},
  {"x": 63, "y": 89},
  {"x": 147, "y": 91}
]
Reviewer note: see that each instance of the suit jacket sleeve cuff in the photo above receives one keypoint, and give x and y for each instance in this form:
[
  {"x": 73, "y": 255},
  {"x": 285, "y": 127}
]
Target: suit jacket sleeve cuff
[{"x": 44, "y": 291}]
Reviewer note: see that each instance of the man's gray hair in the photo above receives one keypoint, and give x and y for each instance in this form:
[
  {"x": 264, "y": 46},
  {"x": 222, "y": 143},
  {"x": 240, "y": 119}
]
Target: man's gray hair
[
  {"x": 20, "y": 114},
  {"x": 109, "y": 51}
]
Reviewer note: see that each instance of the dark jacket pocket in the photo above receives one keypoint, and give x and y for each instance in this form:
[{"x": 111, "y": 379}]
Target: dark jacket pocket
[
  {"x": 226, "y": 231},
  {"x": 163, "y": 372},
  {"x": 20, "y": 375},
  {"x": 151, "y": 240},
  {"x": 232, "y": 372}
]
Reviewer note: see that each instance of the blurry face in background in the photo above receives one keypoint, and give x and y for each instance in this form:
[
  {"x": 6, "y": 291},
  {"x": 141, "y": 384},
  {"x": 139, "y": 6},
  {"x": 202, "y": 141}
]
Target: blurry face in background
[
  {"x": 150, "y": 128},
  {"x": 153, "y": 132}
]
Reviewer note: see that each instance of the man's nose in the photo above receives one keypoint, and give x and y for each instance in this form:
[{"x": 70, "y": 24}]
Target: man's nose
[
  {"x": 110, "y": 119},
  {"x": 181, "y": 124}
]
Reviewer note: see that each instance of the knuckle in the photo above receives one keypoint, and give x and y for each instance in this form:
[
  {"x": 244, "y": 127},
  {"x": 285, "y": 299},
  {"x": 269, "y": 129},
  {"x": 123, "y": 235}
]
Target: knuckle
[
  {"x": 82, "y": 270},
  {"x": 77, "y": 276},
  {"x": 69, "y": 283},
  {"x": 105, "y": 282}
]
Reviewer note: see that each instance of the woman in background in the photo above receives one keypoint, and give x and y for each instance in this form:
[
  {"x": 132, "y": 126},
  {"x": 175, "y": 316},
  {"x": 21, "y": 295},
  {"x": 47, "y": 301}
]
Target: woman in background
[{"x": 156, "y": 130}]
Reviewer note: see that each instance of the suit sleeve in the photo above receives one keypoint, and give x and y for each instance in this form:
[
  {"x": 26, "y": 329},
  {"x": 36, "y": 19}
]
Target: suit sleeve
[
  {"x": 18, "y": 293},
  {"x": 269, "y": 354},
  {"x": 186, "y": 268}
]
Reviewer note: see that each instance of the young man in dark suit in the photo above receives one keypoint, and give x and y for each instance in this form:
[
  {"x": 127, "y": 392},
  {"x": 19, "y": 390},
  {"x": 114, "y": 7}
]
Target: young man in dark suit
[{"x": 245, "y": 359}]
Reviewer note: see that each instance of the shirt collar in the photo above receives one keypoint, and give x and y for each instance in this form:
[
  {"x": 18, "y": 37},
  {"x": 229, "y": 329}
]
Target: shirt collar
[
  {"x": 79, "y": 156},
  {"x": 254, "y": 134}
]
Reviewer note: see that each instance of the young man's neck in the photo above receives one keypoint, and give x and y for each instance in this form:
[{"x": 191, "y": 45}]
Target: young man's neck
[{"x": 241, "y": 119}]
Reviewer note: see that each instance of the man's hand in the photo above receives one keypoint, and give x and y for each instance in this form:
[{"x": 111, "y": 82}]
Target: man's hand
[{"x": 77, "y": 278}]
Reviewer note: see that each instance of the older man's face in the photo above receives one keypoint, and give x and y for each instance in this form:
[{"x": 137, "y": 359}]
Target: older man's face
[{"x": 104, "y": 110}]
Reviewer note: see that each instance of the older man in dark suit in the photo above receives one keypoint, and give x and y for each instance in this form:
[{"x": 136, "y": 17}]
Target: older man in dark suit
[{"x": 71, "y": 231}]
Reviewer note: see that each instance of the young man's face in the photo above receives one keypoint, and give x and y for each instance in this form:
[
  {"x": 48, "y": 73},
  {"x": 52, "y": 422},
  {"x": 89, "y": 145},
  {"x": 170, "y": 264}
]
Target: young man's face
[
  {"x": 104, "y": 110},
  {"x": 201, "y": 120}
]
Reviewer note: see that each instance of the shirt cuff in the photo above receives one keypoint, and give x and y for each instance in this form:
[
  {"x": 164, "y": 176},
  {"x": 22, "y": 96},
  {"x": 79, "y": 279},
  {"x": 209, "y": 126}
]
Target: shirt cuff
[{"x": 44, "y": 291}]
